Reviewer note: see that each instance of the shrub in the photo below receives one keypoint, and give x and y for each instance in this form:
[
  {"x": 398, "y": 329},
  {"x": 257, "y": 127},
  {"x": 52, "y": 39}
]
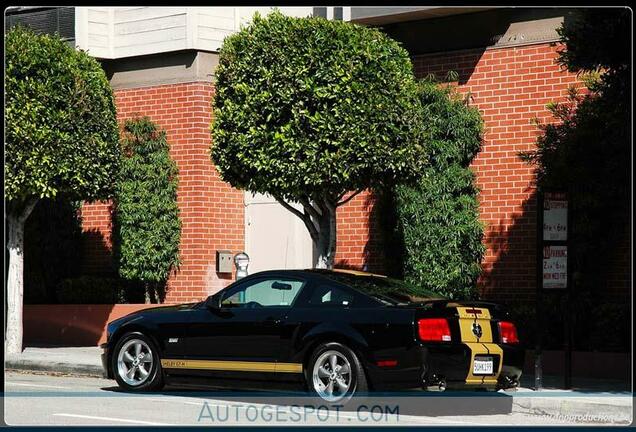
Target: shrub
[
  {"x": 438, "y": 217},
  {"x": 147, "y": 224}
]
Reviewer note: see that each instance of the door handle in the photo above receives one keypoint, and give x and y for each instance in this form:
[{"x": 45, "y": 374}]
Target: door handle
[{"x": 272, "y": 321}]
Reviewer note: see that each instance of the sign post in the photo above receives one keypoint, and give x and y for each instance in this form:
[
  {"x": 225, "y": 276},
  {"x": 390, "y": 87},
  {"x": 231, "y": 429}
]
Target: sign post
[
  {"x": 538, "y": 353},
  {"x": 553, "y": 274}
]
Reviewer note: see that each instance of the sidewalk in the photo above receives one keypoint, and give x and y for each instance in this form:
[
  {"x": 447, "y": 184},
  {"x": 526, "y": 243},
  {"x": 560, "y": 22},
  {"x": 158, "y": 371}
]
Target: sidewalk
[
  {"x": 605, "y": 399},
  {"x": 85, "y": 361},
  {"x": 588, "y": 398}
]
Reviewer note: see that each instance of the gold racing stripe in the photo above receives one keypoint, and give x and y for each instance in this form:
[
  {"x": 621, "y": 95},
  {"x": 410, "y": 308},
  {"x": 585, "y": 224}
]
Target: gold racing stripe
[
  {"x": 469, "y": 316},
  {"x": 483, "y": 349},
  {"x": 230, "y": 365}
]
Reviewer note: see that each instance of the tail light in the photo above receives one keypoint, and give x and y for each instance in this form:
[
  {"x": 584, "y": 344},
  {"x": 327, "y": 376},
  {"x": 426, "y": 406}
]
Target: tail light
[
  {"x": 434, "y": 330},
  {"x": 508, "y": 332}
]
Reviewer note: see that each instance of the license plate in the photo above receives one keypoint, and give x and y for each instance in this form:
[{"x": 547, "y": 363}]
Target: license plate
[{"x": 483, "y": 366}]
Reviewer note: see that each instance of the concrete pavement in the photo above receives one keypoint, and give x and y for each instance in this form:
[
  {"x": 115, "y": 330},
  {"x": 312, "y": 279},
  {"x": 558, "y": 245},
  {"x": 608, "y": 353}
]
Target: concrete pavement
[
  {"x": 71, "y": 360},
  {"x": 592, "y": 398},
  {"x": 40, "y": 399}
]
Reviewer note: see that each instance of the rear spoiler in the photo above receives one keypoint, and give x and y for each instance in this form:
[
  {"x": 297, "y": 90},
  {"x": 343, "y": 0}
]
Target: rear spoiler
[{"x": 462, "y": 303}]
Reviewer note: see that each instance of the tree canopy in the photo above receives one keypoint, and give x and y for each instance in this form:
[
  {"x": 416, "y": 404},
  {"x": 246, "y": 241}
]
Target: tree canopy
[
  {"x": 308, "y": 109},
  {"x": 61, "y": 128}
]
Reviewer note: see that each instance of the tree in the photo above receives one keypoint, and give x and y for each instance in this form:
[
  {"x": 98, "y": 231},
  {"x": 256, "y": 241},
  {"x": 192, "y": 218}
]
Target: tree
[
  {"x": 438, "y": 218},
  {"x": 61, "y": 137},
  {"x": 587, "y": 149},
  {"x": 308, "y": 110},
  {"x": 147, "y": 224}
]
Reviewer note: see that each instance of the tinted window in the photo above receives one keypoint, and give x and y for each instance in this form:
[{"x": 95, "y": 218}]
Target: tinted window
[
  {"x": 263, "y": 293},
  {"x": 325, "y": 295},
  {"x": 386, "y": 290}
]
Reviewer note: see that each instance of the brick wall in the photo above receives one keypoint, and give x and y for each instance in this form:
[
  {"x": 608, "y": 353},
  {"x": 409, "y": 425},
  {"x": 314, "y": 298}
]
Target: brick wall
[
  {"x": 359, "y": 239},
  {"x": 510, "y": 87},
  {"x": 211, "y": 211}
]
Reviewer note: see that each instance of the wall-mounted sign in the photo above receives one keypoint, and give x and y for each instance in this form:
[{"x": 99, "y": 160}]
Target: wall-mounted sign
[
  {"x": 555, "y": 217},
  {"x": 555, "y": 267}
]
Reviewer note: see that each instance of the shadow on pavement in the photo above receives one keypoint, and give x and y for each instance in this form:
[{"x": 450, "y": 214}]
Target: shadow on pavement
[{"x": 411, "y": 403}]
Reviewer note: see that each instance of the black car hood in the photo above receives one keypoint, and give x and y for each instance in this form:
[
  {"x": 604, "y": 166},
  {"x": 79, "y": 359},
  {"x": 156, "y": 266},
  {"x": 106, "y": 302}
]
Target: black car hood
[{"x": 151, "y": 311}]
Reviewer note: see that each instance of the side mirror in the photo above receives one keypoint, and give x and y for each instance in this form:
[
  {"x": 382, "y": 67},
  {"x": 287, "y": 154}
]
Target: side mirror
[{"x": 213, "y": 302}]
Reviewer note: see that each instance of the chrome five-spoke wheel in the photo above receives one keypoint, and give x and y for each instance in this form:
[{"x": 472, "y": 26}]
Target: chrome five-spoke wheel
[
  {"x": 332, "y": 376},
  {"x": 134, "y": 362}
]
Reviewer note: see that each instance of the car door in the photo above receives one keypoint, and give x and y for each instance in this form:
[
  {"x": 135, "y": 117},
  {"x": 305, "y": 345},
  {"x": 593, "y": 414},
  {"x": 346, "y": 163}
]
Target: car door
[{"x": 244, "y": 334}]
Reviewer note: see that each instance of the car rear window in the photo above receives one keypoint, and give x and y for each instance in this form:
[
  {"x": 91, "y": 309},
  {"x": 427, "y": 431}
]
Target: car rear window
[{"x": 386, "y": 290}]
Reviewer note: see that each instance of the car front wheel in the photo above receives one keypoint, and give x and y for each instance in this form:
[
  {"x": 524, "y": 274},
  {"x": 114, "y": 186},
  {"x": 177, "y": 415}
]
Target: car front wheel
[{"x": 136, "y": 363}]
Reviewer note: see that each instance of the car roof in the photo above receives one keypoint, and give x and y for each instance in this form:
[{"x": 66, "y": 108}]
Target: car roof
[{"x": 309, "y": 272}]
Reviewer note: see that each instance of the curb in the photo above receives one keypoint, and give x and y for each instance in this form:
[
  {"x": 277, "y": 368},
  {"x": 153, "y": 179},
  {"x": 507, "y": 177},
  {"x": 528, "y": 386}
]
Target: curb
[
  {"x": 63, "y": 368},
  {"x": 600, "y": 408}
]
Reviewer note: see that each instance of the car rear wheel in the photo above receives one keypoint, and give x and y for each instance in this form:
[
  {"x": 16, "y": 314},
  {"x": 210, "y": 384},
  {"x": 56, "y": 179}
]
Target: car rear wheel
[
  {"x": 335, "y": 374},
  {"x": 136, "y": 363}
]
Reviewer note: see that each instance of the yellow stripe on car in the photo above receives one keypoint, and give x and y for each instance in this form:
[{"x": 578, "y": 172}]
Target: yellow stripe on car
[
  {"x": 229, "y": 365},
  {"x": 483, "y": 349},
  {"x": 476, "y": 334}
]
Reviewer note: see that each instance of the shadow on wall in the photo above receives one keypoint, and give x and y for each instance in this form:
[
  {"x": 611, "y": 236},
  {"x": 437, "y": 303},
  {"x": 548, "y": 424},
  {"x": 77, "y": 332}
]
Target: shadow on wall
[
  {"x": 382, "y": 252},
  {"x": 510, "y": 270},
  {"x": 97, "y": 254},
  {"x": 52, "y": 248},
  {"x": 65, "y": 324}
]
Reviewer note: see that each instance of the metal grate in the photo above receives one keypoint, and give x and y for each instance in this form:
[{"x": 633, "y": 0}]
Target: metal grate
[{"x": 44, "y": 20}]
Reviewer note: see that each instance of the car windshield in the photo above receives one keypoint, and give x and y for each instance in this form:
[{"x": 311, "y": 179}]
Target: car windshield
[{"x": 387, "y": 290}]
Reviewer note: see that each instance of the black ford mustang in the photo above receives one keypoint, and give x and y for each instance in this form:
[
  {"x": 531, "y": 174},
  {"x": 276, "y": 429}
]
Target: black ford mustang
[{"x": 338, "y": 332}]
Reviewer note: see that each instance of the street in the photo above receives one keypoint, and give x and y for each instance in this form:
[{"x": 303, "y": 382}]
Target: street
[{"x": 39, "y": 399}]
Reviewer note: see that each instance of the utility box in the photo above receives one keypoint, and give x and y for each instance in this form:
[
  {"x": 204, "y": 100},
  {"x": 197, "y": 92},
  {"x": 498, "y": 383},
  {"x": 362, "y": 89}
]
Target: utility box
[{"x": 224, "y": 261}]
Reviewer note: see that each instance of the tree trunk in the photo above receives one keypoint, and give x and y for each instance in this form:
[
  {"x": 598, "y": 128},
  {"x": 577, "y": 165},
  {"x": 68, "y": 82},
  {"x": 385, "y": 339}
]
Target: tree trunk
[
  {"x": 326, "y": 244},
  {"x": 319, "y": 216},
  {"x": 15, "y": 278}
]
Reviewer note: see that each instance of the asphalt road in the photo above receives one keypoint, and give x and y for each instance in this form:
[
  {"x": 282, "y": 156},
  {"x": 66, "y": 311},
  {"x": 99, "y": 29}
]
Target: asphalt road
[{"x": 38, "y": 399}]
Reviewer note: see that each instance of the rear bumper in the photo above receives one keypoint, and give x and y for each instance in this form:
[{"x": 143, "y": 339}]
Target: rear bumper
[
  {"x": 432, "y": 364},
  {"x": 454, "y": 365}
]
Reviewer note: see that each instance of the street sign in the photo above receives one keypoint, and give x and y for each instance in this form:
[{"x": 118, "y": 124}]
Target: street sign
[
  {"x": 555, "y": 267},
  {"x": 552, "y": 273},
  {"x": 555, "y": 217}
]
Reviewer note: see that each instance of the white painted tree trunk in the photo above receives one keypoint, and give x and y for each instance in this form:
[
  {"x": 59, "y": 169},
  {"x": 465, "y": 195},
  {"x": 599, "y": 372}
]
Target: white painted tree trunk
[
  {"x": 15, "y": 288},
  {"x": 326, "y": 244},
  {"x": 15, "y": 279}
]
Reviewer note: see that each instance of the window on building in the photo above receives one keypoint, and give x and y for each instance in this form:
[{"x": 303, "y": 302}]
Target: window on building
[{"x": 47, "y": 20}]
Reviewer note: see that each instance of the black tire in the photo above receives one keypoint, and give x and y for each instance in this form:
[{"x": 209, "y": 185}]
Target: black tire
[
  {"x": 358, "y": 380},
  {"x": 154, "y": 380}
]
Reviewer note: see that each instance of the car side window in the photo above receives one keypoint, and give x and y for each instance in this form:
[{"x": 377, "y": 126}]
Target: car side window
[
  {"x": 263, "y": 293},
  {"x": 326, "y": 295}
]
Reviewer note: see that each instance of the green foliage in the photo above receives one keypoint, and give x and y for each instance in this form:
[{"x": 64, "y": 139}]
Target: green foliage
[
  {"x": 147, "y": 224},
  {"x": 52, "y": 239},
  {"x": 596, "y": 38},
  {"x": 61, "y": 129},
  {"x": 587, "y": 149},
  {"x": 438, "y": 217},
  {"x": 99, "y": 290},
  {"x": 307, "y": 107}
]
